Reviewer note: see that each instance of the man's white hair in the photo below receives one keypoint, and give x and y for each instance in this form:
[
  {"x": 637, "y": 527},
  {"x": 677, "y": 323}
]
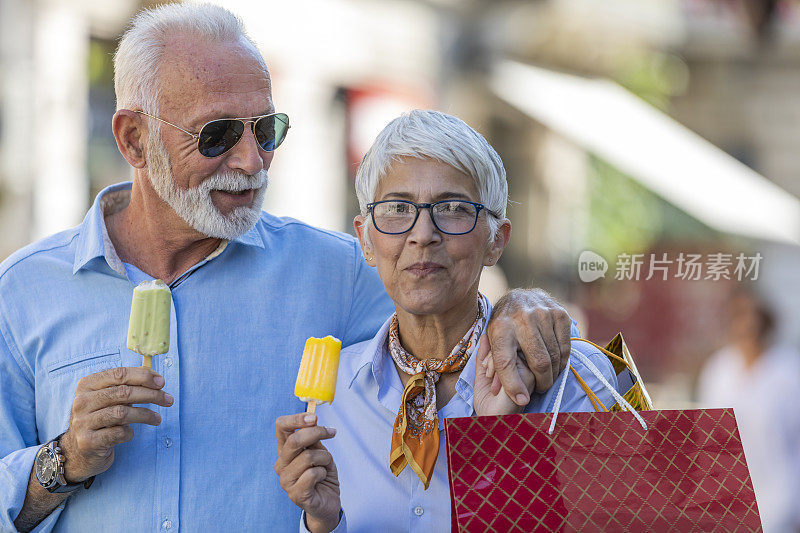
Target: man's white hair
[
  {"x": 427, "y": 134},
  {"x": 138, "y": 57}
]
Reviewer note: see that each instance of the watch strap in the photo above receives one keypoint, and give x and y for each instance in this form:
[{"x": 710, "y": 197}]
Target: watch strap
[{"x": 61, "y": 484}]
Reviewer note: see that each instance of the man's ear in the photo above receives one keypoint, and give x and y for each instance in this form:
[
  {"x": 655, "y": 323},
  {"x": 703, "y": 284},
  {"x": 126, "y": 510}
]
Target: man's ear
[
  {"x": 361, "y": 226},
  {"x": 128, "y": 128},
  {"x": 499, "y": 243}
]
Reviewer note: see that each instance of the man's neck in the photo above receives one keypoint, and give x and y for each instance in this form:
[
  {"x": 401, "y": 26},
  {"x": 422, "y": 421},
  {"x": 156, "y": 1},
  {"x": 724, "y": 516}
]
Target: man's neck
[{"x": 149, "y": 235}]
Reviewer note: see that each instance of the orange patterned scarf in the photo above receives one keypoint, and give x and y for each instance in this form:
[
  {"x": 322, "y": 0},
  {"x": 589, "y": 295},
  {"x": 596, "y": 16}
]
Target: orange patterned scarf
[{"x": 415, "y": 439}]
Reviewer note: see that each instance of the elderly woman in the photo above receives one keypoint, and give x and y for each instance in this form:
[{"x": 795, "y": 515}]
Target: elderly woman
[{"x": 433, "y": 198}]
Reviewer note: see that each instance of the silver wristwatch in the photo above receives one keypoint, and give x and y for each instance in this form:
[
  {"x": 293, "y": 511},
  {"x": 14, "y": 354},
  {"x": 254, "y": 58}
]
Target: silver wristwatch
[{"x": 49, "y": 469}]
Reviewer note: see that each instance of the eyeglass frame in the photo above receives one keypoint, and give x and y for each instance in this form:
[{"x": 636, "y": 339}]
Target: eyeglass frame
[
  {"x": 244, "y": 120},
  {"x": 429, "y": 206}
]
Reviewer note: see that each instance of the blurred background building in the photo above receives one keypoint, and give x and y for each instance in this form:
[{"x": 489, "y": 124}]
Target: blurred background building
[{"x": 666, "y": 128}]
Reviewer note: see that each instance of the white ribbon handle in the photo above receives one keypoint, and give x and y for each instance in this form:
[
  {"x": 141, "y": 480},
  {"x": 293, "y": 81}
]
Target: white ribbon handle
[{"x": 599, "y": 375}]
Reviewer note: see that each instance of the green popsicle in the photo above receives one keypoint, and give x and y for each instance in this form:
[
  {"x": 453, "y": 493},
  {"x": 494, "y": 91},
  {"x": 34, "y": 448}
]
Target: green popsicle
[{"x": 148, "y": 329}]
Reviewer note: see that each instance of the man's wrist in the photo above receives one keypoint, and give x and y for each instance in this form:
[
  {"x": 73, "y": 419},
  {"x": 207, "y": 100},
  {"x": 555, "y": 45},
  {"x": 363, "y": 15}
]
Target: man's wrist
[{"x": 38, "y": 505}]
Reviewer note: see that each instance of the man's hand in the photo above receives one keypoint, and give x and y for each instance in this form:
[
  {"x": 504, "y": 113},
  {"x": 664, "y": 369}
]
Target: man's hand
[
  {"x": 528, "y": 324},
  {"x": 101, "y": 414},
  {"x": 306, "y": 470},
  {"x": 488, "y": 402}
]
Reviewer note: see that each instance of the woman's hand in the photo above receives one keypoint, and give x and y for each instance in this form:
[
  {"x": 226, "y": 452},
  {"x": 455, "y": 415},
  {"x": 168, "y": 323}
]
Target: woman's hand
[
  {"x": 489, "y": 398},
  {"x": 306, "y": 470}
]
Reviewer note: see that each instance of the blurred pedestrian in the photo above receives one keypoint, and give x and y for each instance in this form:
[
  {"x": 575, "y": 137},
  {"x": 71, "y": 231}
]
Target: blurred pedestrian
[{"x": 760, "y": 380}]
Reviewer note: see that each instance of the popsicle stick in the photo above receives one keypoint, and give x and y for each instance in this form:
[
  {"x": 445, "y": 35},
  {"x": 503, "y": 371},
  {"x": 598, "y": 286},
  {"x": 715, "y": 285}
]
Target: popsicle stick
[
  {"x": 147, "y": 361},
  {"x": 312, "y": 407}
]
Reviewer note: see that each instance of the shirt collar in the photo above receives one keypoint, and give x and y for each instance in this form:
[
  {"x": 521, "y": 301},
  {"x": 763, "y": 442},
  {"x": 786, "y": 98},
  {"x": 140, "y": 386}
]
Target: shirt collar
[
  {"x": 93, "y": 240},
  {"x": 376, "y": 356}
]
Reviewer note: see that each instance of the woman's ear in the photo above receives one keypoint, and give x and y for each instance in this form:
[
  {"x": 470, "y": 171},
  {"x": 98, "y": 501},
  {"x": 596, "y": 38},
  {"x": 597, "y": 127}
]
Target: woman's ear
[
  {"x": 127, "y": 128},
  {"x": 499, "y": 243},
  {"x": 362, "y": 227}
]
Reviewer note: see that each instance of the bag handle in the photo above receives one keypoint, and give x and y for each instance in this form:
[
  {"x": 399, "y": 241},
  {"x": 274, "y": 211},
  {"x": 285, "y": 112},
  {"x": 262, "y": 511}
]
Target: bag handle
[
  {"x": 623, "y": 403},
  {"x": 631, "y": 366},
  {"x": 596, "y": 402},
  {"x": 608, "y": 353}
]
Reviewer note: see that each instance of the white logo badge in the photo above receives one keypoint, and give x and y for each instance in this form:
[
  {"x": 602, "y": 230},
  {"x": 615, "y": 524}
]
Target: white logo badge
[{"x": 591, "y": 266}]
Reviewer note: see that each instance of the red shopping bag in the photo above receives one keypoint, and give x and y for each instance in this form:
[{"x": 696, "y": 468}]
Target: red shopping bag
[{"x": 600, "y": 472}]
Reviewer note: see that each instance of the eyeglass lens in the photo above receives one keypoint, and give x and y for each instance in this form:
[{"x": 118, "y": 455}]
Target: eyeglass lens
[
  {"x": 449, "y": 216},
  {"x": 219, "y": 136}
]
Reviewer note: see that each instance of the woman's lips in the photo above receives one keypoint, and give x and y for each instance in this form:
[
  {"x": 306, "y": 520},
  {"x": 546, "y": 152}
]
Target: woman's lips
[{"x": 424, "y": 269}]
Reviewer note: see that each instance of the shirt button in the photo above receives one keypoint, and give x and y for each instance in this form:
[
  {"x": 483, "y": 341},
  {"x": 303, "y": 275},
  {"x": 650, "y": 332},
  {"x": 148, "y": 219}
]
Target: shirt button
[
  {"x": 168, "y": 361},
  {"x": 166, "y": 524},
  {"x": 167, "y": 444},
  {"x": 418, "y": 511}
]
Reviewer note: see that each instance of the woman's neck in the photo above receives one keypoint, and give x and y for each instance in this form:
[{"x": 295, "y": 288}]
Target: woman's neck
[
  {"x": 435, "y": 336},
  {"x": 426, "y": 336}
]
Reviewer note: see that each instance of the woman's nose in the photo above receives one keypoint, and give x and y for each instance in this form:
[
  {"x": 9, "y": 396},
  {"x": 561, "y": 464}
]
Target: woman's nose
[{"x": 424, "y": 230}]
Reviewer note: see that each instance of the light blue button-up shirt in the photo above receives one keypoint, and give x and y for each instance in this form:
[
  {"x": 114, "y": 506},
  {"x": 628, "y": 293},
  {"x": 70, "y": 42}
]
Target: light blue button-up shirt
[
  {"x": 239, "y": 321},
  {"x": 368, "y": 395}
]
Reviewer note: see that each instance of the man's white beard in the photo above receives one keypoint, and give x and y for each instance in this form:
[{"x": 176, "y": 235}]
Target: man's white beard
[{"x": 195, "y": 206}]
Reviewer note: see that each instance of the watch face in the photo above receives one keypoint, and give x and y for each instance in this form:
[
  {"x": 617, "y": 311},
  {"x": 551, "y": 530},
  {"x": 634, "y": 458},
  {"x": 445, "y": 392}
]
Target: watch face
[{"x": 45, "y": 466}]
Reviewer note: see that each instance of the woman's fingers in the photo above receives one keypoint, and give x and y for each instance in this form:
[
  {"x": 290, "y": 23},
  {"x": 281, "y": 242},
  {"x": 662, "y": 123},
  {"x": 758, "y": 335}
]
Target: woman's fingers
[
  {"x": 306, "y": 470},
  {"x": 305, "y": 461},
  {"x": 496, "y": 385},
  {"x": 295, "y": 443},
  {"x": 286, "y": 425},
  {"x": 302, "y": 489}
]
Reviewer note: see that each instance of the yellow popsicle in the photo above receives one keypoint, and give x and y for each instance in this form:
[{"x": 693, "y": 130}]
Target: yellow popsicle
[
  {"x": 148, "y": 329},
  {"x": 316, "y": 379}
]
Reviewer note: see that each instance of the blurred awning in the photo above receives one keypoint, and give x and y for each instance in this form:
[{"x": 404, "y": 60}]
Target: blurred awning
[{"x": 638, "y": 139}]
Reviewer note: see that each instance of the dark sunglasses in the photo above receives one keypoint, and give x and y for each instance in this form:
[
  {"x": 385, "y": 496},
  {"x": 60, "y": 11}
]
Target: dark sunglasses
[{"x": 218, "y": 136}]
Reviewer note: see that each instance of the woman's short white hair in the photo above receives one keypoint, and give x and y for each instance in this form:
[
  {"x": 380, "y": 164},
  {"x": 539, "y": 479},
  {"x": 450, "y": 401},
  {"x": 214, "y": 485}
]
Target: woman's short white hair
[
  {"x": 427, "y": 134},
  {"x": 138, "y": 57}
]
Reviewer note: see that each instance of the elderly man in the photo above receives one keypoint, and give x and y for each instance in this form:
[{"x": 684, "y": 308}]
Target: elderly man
[{"x": 248, "y": 289}]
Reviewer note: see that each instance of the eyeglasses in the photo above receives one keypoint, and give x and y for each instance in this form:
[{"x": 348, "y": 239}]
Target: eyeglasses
[
  {"x": 218, "y": 136},
  {"x": 453, "y": 217}
]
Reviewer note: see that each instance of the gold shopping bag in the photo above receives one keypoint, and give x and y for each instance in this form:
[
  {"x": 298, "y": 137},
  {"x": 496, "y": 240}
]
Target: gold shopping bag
[{"x": 630, "y": 382}]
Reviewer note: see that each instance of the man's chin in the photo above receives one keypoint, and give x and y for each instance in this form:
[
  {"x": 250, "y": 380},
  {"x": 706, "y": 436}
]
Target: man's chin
[
  {"x": 228, "y": 227},
  {"x": 233, "y": 221}
]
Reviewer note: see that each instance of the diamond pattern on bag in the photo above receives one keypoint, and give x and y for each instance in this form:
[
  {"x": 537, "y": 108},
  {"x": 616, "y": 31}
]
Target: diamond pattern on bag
[{"x": 600, "y": 472}]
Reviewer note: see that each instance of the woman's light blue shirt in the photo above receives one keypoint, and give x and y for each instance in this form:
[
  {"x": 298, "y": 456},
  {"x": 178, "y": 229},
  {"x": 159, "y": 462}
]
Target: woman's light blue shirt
[{"x": 368, "y": 395}]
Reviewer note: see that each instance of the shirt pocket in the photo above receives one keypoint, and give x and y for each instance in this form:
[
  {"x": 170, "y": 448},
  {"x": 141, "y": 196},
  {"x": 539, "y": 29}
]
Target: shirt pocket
[{"x": 78, "y": 366}]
